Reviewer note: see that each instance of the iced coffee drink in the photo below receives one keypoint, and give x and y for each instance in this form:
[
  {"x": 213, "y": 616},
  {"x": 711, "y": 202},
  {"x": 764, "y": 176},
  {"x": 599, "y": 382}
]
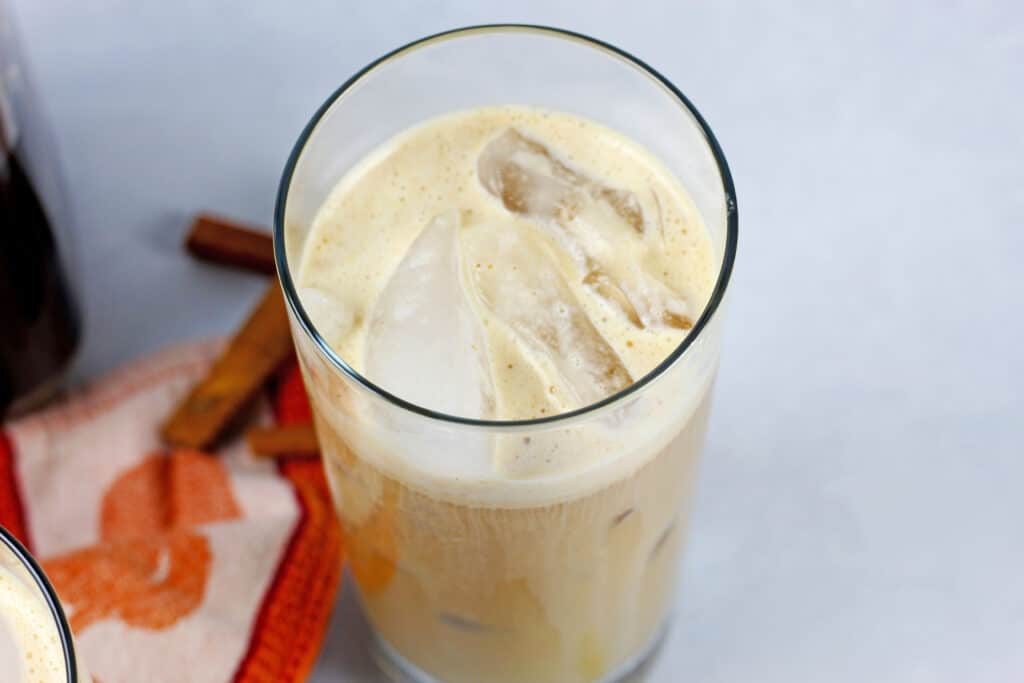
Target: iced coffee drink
[
  {"x": 32, "y": 637},
  {"x": 510, "y": 265}
]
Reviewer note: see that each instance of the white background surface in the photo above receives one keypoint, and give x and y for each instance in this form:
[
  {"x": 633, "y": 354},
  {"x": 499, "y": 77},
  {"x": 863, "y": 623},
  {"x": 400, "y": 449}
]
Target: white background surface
[{"x": 860, "y": 514}]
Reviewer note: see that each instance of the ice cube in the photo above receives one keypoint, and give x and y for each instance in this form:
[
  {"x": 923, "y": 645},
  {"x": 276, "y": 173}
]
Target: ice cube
[
  {"x": 530, "y": 180},
  {"x": 424, "y": 342},
  {"x": 331, "y": 317},
  {"x": 519, "y": 282},
  {"x": 602, "y": 228},
  {"x": 526, "y": 177}
]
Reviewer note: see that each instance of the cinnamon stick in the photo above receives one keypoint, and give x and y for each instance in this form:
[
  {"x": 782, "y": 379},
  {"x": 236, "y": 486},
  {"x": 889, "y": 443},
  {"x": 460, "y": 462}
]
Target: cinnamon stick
[
  {"x": 225, "y": 242},
  {"x": 259, "y": 348},
  {"x": 283, "y": 441}
]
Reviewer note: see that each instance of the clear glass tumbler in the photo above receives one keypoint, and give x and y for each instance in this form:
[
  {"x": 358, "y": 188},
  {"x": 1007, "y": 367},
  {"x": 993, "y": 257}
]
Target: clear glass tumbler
[
  {"x": 560, "y": 578},
  {"x": 26, "y": 593}
]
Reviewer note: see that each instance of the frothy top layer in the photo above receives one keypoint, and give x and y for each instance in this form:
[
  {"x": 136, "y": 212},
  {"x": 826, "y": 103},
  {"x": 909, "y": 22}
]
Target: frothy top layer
[
  {"x": 509, "y": 263},
  {"x": 30, "y": 648},
  {"x": 373, "y": 218}
]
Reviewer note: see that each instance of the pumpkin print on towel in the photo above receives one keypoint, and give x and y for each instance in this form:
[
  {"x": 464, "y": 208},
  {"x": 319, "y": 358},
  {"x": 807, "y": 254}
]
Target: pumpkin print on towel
[{"x": 153, "y": 566}]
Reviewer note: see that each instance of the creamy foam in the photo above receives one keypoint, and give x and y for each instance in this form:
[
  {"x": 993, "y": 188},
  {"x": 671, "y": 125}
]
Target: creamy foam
[
  {"x": 366, "y": 227},
  {"x": 30, "y": 646}
]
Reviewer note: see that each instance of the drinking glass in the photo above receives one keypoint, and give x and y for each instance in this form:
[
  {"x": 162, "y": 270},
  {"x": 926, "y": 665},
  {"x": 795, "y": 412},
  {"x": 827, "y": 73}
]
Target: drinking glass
[
  {"x": 16, "y": 564},
  {"x": 558, "y": 577}
]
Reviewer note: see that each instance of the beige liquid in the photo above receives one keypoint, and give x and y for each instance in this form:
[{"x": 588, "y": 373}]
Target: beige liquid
[
  {"x": 30, "y": 647},
  {"x": 541, "y": 555},
  {"x": 561, "y": 593}
]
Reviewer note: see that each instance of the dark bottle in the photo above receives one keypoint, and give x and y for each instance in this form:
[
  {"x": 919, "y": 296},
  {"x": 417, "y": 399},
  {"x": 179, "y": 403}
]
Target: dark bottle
[{"x": 39, "y": 322}]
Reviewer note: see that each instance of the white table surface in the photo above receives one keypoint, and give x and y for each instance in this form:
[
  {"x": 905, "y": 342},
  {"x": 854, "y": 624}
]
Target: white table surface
[{"x": 860, "y": 514}]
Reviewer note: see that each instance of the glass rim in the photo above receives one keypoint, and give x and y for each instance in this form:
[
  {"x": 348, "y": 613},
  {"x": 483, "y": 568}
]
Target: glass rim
[
  {"x": 717, "y": 295},
  {"x": 50, "y": 595}
]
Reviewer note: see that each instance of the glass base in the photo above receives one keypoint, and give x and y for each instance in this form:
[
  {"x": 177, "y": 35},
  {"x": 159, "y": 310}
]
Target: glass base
[{"x": 400, "y": 670}]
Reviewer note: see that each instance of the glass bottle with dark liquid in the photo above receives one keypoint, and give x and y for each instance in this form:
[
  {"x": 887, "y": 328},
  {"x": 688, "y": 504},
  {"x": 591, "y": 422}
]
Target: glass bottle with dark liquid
[{"x": 39, "y": 322}]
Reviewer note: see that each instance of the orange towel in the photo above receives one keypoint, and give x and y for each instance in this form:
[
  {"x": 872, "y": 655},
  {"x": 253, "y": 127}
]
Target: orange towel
[{"x": 174, "y": 565}]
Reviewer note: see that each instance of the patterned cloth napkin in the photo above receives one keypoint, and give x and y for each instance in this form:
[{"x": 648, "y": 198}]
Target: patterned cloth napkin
[{"x": 174, "y": 565}]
